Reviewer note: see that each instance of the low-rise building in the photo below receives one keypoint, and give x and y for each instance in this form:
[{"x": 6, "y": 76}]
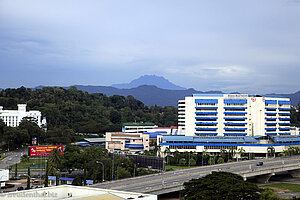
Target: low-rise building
[
  {"x": 135, "y": 127},
  {"x": 126, "y": 143},
  {"x": 14, "y": 117}
]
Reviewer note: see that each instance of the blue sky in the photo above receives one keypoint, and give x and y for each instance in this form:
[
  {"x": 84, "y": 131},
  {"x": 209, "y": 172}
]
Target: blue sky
[{"x": 247, "y": 46}]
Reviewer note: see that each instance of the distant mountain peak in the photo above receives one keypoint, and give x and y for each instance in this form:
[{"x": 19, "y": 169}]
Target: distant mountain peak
[{"x": 157, "y": 81}]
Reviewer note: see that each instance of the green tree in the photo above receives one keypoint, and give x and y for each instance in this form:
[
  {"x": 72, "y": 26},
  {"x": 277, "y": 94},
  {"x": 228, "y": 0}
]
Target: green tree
[
  {"x": 268, "y": 194},
  {"x": 220, "y": 185},
  {"x": 220, "y": 160},
  {"x": 77, "y": 181},
  {"x": 271, "y": 151},
  {"x": 54, "y": 162}
]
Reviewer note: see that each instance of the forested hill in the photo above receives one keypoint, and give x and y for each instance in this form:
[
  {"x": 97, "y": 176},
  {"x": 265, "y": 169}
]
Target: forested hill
[{"x": 84, "y": 112}]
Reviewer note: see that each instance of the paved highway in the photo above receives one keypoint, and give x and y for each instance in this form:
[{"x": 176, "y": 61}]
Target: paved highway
[
  {"x": 170, "y": 179},
  {"x": 13, "y": 157}
]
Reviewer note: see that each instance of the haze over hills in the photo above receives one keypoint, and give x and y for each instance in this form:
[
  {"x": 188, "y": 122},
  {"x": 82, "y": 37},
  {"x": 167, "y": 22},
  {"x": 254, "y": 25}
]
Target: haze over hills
[
  {"x": 151, "y": 94},
  {"x": 157, "y": 81}
]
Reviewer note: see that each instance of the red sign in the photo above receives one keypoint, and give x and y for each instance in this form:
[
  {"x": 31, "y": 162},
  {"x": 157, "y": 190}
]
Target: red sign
[{"x": 44, "y": 150}]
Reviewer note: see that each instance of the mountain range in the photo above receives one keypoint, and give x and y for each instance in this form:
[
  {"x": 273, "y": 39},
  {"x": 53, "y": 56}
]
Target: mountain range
[
  {"x": 158, "y": 81},
  {"x": 156, "y": 90}
]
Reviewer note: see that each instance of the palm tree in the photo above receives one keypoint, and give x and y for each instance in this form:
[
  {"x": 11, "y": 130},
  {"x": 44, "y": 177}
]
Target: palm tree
[
  {"x": 223, "y": 153},
  {"x": 241, "y": 151},
  {"x": 271, "y": 151},
  {"x": 54, "y": 162},
  {"x": 167, "y": 152},
  {"x": 205, "y": 154},
  {"x": 232, "y": 151}
]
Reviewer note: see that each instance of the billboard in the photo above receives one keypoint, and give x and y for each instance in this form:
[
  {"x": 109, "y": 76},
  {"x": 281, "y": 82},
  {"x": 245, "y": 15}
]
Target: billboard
[
  {"x": 4, "y": 175},
  {"x": 44, "y": 150}
]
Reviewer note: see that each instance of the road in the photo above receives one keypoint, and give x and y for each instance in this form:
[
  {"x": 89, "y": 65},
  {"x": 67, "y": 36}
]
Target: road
[
  {"x": 150, "y": 183},
  {"x": 13, "y": 157}
]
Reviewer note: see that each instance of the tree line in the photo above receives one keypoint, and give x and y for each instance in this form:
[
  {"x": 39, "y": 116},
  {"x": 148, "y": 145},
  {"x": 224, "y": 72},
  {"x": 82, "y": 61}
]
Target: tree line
[{"x": 70, "y": 111}]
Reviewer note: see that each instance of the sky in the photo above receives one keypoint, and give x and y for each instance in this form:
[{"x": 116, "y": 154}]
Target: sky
[{"x": 250, "y": 46}]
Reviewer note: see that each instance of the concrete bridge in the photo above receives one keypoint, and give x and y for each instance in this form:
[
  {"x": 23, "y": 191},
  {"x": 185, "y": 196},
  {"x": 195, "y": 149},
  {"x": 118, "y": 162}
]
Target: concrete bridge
[{"x": 172, "y": 181}]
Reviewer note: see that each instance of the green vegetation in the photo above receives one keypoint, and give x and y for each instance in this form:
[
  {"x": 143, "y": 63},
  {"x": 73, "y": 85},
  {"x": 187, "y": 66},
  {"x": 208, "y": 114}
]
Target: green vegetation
[
  {"x": 288, "y": 187},
  {"x": 221, "y": 185},
  {"x": 295, "y": 116},
  {"x": 71, "y": 111},
  {"x": 30, "y": 163}
]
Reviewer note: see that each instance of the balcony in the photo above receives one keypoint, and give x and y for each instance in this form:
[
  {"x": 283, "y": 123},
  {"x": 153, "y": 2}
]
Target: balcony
[
  {"x": 235, "y": 129},
  {"x": 271, "y": 109},
  {"x": 206, "y": 134},
  {"x": 274, "y": 133},
  {"x": 206, "y": 108},
  {"x": 235, "y": 134},
  {"x": 271, "y": 118}
]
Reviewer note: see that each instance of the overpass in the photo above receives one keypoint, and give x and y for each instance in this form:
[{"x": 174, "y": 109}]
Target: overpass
[{"x": 172, "y": 181}]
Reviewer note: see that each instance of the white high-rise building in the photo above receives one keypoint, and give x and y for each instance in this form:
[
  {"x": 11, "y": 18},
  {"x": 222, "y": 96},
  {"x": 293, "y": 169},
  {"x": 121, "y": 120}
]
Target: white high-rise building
[
  {"x": 14, "y": 117},
  {"x": 233, "y": 115},
  {"x": 215, "y": 122}
]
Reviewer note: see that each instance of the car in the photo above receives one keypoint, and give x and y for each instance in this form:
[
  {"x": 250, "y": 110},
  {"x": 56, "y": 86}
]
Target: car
[
  {"x": 20, "y": 188},
  {"x": 259, "y": 164}
]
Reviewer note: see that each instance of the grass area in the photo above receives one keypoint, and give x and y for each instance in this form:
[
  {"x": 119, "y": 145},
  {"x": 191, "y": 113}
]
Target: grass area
[
  {"x": 286, "y": 187},
  {"x": 32, "y": 163},
  {"x": 168, "y": 167},
  {"x": 3, "y": 157},
  {"x": 297, "y": 179}
]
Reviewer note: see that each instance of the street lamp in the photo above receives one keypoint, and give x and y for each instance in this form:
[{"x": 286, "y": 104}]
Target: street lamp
[{"x": 98, "y": 162}]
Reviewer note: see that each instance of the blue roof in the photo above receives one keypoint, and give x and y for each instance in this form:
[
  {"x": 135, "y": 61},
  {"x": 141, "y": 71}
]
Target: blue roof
[
  {"x": 205, "y": 139},
  {"x": 293, "y": 138},
  {"x": 177, "y": 138}
]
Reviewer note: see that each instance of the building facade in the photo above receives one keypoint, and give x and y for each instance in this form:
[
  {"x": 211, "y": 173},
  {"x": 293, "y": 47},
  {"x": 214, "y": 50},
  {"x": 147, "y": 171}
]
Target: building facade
[
  {"x": 234, "y": 115},
  {"x": 136, "y": 127},
  {"x": 214, "y": 122},
  {"x": 127, "y": 143},
  {"x": 14, "y": 117}
]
